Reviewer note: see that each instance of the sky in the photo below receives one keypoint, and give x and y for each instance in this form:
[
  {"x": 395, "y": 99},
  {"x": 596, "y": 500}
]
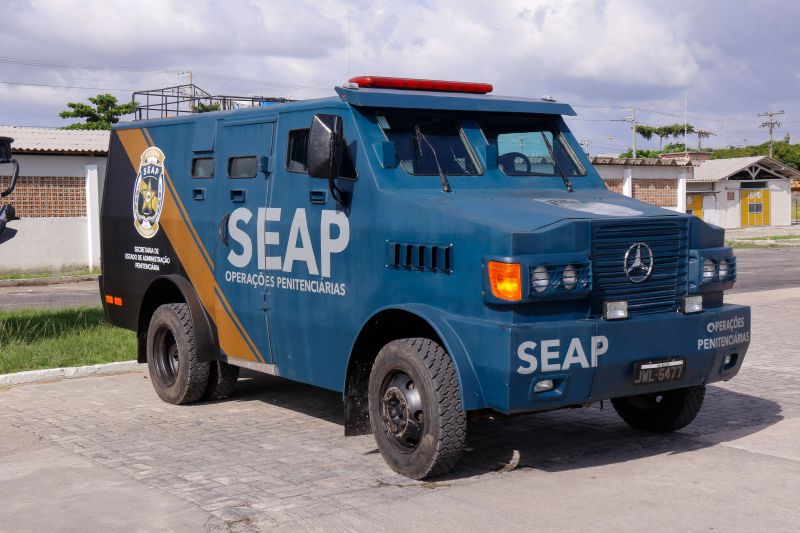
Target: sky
[{"x": 728, "y": 60}]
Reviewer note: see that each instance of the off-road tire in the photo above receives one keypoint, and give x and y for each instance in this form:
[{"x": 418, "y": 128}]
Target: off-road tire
[
  {"x": 222, "y": 380},
  {"x": 177, "y": 375},
  {"x": 661, "y": 412},
  {"x": 444, "y": 426}
]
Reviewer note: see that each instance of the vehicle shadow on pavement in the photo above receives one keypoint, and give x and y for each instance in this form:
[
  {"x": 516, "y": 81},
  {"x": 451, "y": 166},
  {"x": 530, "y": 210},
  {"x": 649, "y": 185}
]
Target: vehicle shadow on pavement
[{"x": 552, "y": 441}]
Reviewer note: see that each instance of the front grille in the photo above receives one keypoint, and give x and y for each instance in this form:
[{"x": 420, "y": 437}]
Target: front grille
[{"x": 667, "y": 284}]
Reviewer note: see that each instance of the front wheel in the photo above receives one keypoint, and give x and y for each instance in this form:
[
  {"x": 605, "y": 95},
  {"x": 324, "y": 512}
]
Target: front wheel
[
  {"x": 415, "y": 408},
  {"x": 661, "y": 412},
  {"x": 177, "y": 376}
]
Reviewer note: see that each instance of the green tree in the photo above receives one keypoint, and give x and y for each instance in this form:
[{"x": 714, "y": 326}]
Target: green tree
[
  {"x": 105, "y": 112},
  {"x": 206, "y": 108},
  {"x": 646, "y": 132},
  {"x": 667, "y": 131}
]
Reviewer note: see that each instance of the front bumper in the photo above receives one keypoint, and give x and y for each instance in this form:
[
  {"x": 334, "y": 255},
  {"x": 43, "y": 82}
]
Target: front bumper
[{"x": 593, "y": 359}]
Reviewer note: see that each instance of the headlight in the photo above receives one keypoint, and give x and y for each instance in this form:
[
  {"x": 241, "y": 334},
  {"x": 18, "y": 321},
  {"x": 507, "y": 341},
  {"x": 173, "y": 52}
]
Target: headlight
[
  {"x": 570, "y": 277},
  {"x": 709, "y": 270},
  {"x": 724, "y": 269},
  {"x": 541, "y": 278}
]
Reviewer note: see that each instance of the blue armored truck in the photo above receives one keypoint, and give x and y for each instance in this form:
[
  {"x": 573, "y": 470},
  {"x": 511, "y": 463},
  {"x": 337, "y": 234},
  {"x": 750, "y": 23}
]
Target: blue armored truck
[{"x": 423, "y": 247}]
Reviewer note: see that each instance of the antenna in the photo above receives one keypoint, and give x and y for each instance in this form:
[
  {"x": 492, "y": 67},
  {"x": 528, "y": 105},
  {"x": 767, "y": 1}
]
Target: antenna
[{"x": 349, "y": 73}]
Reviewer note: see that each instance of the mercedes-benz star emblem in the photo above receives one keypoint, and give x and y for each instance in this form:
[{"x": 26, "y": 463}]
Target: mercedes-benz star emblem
[{"x": 638, "y": 262}]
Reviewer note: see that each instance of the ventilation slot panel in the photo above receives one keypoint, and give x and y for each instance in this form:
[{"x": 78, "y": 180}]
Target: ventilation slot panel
[{"x": 421, "y": 257}]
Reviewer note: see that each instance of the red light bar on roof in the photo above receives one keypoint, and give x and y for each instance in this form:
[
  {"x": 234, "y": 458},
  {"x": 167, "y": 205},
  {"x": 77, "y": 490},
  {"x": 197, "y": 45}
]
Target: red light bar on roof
[{"x": 410, "y": 84}]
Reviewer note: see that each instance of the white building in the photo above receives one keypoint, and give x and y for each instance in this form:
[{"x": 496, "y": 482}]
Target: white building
[
  {"x": 742, "y": 192},
  {"x": 731, "y": 193},
  {"x": 57, "y": 199}
]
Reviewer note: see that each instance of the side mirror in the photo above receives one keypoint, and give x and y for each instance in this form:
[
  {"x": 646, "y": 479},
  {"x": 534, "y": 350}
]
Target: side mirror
[
  {"x": 5, "y": 157},
  {"x": 325, "y": 139},
  {"x": 324, "y": 146},
  {"x": 5, "y": 149}
]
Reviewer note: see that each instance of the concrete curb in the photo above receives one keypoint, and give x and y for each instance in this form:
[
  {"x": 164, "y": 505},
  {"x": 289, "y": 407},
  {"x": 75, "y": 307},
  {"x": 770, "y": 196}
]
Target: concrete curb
[
  {"x": 45, "y": 281},
  {"x": 55, "y": 374}
]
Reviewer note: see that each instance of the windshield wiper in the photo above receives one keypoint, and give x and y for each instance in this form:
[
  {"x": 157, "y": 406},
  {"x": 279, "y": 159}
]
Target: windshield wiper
[
  {"x": 564, "y": 178},
  {"x": 442, "y": 177}
]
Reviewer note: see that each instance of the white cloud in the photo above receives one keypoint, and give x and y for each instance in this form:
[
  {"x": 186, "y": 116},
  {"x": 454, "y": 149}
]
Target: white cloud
[{"x": 622, "y": 52}]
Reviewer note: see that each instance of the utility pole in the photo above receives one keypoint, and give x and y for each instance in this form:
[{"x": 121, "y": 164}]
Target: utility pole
[
  {"x": 702, "y": 134},
  {"x": 585, "y": 146},
  {"x": 191, "y": 93},
  {"x": 771, "y": 124},
  {"x": 632, "y": 120}
]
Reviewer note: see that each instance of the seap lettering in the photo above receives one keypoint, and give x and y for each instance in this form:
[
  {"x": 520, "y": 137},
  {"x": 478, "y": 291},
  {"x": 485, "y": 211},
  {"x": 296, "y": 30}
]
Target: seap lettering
[
  {"x": 334, "y": 234},
  {"x": 550, "y": 355}
]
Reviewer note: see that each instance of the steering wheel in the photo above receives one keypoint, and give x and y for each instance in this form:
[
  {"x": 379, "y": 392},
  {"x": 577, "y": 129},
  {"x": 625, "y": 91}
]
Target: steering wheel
[{"x": 510, "y": 160}]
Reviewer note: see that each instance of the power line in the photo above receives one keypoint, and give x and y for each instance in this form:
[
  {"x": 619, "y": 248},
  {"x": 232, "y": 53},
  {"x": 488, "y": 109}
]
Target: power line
[
  {"x": 67, "y": 86},
  {"x": 42, "y": 63}
]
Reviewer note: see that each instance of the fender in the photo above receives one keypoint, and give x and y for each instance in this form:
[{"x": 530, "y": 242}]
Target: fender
[
  {"x": 471, "y": 393},
  {"x": 205, "y": 335}
]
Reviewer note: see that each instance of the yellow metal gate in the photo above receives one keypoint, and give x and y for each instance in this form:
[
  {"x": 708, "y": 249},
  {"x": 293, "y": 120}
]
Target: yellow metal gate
[
  {"x": 694, "y": 205},
  {"x": 755, "y": 207}
]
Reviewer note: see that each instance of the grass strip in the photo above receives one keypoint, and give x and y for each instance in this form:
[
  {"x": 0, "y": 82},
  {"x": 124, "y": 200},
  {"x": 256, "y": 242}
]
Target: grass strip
[{"x": 36, "y": 339}]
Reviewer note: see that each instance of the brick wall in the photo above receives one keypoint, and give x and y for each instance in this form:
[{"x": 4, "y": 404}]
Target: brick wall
[
  {"x": 660, "y": 192},
  {"x": 614, "y": 184},
  {"x": 47, "y": 196}
]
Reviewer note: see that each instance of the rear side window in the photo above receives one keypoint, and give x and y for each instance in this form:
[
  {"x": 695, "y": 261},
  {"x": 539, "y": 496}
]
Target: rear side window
[
  {"x": 243, "y": 167},
  {"x": 203, "y": 167},
  {"x": 297, "y": 155}
]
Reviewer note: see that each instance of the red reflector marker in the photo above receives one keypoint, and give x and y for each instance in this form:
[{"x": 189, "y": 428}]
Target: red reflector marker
[
  {"x": 410, "y": 84},
  {"x": 109, "y": 299},
  {"x": 117, "y": 300}
]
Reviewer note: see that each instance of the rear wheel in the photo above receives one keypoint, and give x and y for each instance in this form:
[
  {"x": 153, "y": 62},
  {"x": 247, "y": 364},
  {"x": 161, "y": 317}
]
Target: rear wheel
[
  {"x": 661, "y": 412},
  {"x": 221, "y": 381},
  {"x": 415, "y": 408},
  {"x": 177, "y": 376}
]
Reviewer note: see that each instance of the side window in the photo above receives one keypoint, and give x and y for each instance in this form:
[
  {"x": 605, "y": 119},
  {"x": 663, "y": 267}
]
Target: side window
[
  {"x": 297, "y": 155},
  {"x": 243, "y": 167},
  {"x": 203, "y": 167}
]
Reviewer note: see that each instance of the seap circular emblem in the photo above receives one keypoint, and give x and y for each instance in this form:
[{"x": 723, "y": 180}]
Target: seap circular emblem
[{"x": 148, "y": 192}]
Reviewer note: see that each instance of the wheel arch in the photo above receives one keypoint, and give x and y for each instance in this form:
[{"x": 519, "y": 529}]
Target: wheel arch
[
  {"x": 397, "y": 322},
  {"x": 176, "y": 289}
]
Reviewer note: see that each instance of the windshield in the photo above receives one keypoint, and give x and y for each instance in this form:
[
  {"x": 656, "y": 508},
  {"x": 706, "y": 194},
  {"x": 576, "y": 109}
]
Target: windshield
[
  {"x": 421, "y": 139},
  {"x": 527, "y": 146}
]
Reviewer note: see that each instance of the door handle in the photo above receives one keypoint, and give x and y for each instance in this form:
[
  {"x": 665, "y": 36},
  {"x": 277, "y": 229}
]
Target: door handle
[
  {"x": 316, "y": 196},
  {"x": 223, "y": 228}
]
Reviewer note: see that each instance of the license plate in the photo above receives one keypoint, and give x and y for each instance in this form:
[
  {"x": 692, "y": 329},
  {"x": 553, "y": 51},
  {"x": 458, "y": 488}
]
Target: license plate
[{"x": 659, "y": 371}]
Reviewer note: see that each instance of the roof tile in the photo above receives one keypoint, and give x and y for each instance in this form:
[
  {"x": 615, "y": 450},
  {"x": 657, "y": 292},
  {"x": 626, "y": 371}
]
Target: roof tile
[{"x": 56, "y": 141}]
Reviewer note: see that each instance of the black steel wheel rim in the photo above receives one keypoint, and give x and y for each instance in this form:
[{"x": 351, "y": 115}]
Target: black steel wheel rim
[
  {"x": 165, "y": 356},
  {"x": 401, "y": 411}
]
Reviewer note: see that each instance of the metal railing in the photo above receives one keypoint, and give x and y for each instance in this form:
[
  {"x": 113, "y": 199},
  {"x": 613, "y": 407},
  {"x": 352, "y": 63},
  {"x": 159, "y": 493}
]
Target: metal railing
[{"x": 188, "y": 99}]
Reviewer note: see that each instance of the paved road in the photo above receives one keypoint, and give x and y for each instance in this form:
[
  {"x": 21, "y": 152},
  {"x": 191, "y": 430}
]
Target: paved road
[
  {"x": 767, "y": 268},
  {"x": 50, "y": 296},
  {"x": 106, "y": 454},
  {"x": 758, "y": 270}
]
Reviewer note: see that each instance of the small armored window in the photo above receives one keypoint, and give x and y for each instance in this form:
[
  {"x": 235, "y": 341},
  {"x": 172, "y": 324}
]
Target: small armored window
[
  {"x": 297, "y": 154},
  {"x": 203, "y": 167},
  {"x": 243, "y": 167}
]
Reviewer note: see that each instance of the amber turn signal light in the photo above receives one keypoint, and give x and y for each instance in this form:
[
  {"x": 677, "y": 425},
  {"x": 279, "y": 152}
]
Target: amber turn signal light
[{"x": 505, "y": 280}]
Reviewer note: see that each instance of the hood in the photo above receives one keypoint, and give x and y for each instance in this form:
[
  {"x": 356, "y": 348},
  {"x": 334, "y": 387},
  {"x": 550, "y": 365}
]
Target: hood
[{"x": 527, "y": 210}]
